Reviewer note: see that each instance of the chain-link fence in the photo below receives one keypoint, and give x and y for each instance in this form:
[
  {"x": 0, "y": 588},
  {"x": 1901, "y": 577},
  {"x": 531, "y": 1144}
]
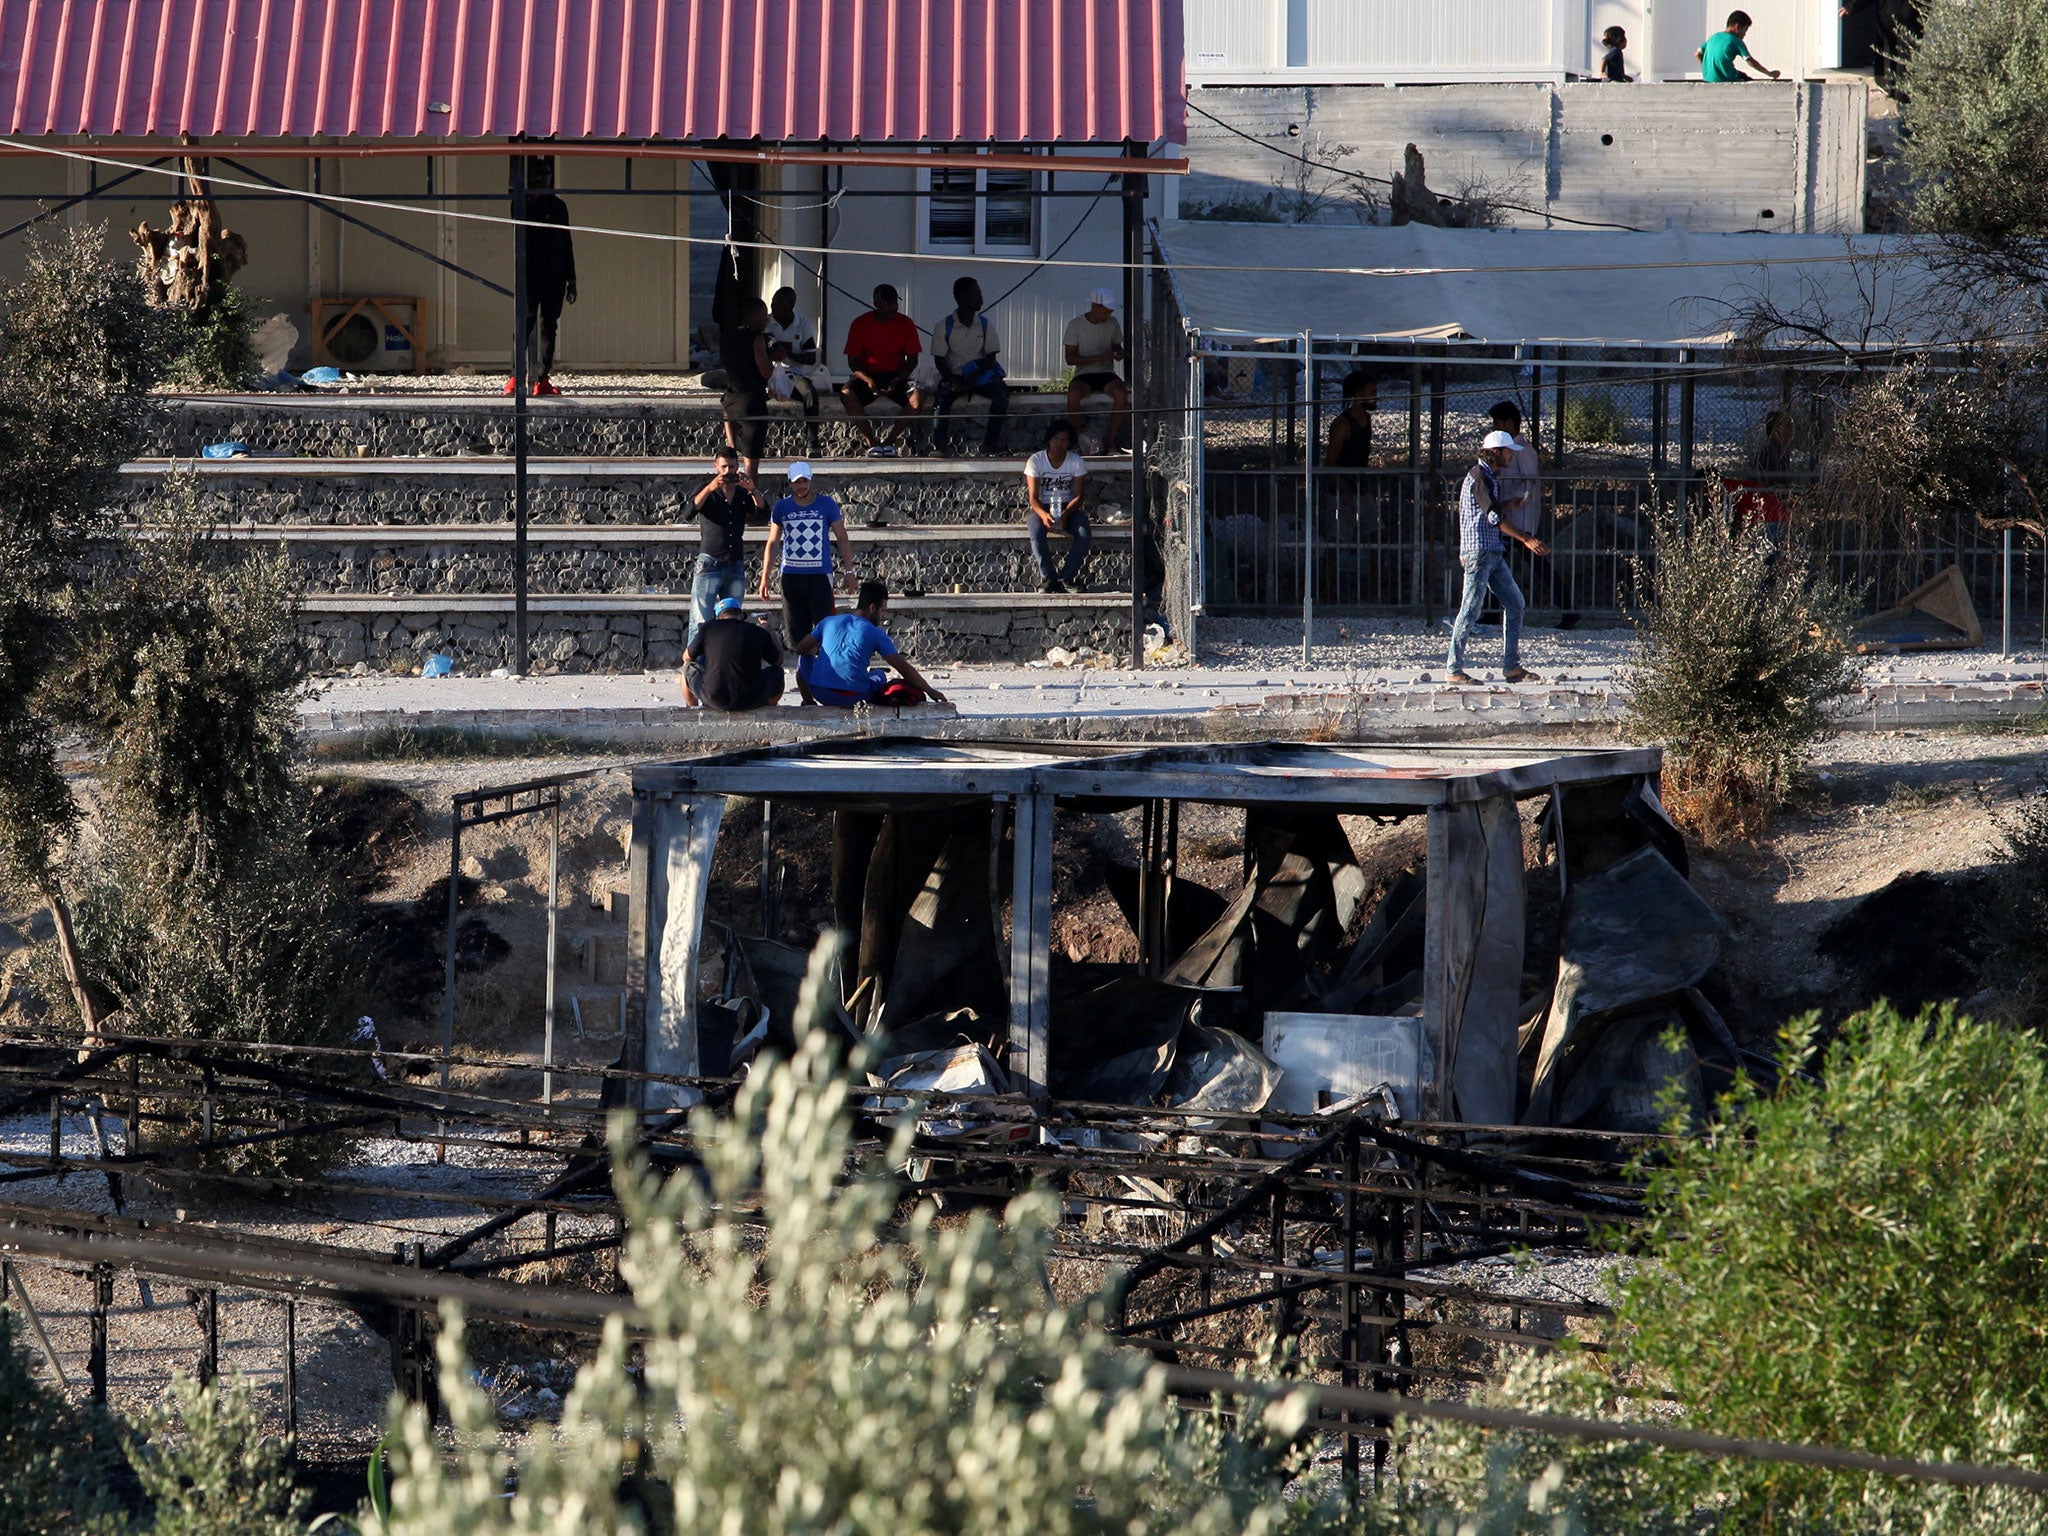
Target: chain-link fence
[{"x": 1622, "y": 433}]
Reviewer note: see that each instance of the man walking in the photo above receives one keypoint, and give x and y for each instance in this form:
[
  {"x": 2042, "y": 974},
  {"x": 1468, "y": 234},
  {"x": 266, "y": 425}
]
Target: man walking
[
  {"x": 965, "y": 347},
  {"x": 835, "y": 656},
  {"x": 802, "y": 528},
  {"x": 731, "y": 665},
  {"x": 882, "y": 348},
  {"x": 1482, "y": 550},
  {"x": 1721, "y": 54},
  {"x": 550, "y": 271},
  {"x": 723, "y": 507}
]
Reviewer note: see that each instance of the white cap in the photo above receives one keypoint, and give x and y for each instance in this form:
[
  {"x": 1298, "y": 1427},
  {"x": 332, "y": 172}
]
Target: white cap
[
  {"x": 1499, "y": 440},
  {"x": 799, "y": 469},
  {"x": 1103, "y": 297}
]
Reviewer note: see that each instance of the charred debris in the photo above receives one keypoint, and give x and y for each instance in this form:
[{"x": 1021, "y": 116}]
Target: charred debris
[{"x": 1311, "y": 986}]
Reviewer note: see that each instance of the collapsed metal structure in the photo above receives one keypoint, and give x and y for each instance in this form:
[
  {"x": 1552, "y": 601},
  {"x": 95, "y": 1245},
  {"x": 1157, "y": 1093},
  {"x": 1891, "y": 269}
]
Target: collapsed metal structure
[{"x": 1364, "y": 1224}]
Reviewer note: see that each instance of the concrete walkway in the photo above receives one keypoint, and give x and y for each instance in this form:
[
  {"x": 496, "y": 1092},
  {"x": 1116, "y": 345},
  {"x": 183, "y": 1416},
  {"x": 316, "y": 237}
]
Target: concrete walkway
[{"x": 1182, "y": 703}]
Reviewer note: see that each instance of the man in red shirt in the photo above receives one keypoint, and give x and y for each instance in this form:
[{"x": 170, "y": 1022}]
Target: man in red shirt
[{"x": 882, "y": 347}]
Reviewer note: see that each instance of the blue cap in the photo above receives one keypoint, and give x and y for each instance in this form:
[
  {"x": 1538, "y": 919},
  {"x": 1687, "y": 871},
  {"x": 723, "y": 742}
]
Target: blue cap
[{"x": 728, "y": 605}]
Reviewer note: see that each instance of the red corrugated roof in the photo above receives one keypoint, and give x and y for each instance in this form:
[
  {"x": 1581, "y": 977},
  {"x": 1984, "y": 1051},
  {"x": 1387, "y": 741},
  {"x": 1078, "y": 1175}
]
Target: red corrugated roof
[{"x": 1070, "y": 71}]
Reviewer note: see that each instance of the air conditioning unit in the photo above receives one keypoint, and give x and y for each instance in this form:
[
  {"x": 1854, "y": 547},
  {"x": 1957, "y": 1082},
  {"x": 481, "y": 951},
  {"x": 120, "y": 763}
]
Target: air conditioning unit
[{"x": 369, "y": 335}]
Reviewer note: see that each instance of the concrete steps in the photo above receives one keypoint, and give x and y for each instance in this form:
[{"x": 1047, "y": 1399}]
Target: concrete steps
[
  {"x": 398, "y": 510},
  {"x": 683, "y": 424},
  {"x": 580, "y": 491},
  {"x": 632, "y": 632},
  {"x": 631, "y": 558}
]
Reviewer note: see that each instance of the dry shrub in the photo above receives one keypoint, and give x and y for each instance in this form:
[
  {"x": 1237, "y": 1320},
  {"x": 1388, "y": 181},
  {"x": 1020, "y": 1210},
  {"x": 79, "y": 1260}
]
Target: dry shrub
[{"x": 1740, "y": 652}]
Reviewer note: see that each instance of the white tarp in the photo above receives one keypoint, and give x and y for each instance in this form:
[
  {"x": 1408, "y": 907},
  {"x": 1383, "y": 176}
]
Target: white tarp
[{"x": 1597, "y": 288}]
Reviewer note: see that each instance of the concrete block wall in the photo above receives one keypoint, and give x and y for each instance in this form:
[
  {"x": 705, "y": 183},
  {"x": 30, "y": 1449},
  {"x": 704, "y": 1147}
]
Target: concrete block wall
[{"x": 1707, "y": 158}]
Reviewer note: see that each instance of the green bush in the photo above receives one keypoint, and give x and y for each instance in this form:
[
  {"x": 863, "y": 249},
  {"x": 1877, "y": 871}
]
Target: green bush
[
  {"x": 2011, "y": 925},
  {"x": 207, "y": 1467},
  {"x": 58, "y": 1463},
  {"x": 813, "y": 1365},
  {"x": 212, "y": 348},
  {"x": 1594, "y": 416},
  {"x": 1740, "y": 649},
  {"x": 1857, "y": 1259}
]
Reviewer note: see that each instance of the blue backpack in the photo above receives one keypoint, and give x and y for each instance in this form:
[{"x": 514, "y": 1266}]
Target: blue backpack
[{"x": 981, "y": 371}]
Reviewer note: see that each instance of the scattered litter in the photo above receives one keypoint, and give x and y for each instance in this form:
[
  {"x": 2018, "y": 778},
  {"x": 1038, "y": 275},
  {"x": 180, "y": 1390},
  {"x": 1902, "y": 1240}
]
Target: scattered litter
[
  {"x": 1060, "y": 656},
  {"x": 440, "y": 664},
  {"x": 501, "y": 672},
  {"x": 1937, "y": 615},
  {"x": 234, "y": 449},
  {"x": 323, "y": 375}
]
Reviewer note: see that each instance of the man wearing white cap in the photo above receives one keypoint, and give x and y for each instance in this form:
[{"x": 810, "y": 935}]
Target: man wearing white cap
[
  {"x": 802, "y": 527},
  {"x": 1483, "y": 531},
  {"x": 1095, "y": 345}
]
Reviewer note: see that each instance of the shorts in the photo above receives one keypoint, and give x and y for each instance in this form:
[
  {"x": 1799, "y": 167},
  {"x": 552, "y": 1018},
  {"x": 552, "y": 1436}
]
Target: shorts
[
  {"x": 867, "y": 393},
  {"x": 748, "y": 412},
  {"x": 1097, "y": 383}
]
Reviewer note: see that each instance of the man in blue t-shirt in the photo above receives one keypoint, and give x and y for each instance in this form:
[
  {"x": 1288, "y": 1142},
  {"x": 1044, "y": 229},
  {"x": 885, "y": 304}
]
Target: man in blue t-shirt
[
  {"x": 834, "y": 669},
  {"x": 1720, "y": 54},
  {"x": 802, "y": 528}
]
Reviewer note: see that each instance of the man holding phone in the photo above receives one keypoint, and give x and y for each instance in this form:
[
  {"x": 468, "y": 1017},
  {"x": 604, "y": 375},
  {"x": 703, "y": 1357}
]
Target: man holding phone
[{"x": 723, "y": 507}]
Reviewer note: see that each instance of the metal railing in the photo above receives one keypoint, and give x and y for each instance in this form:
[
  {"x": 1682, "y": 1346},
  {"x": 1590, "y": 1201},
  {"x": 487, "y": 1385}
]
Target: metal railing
[{"x": 1386, "y": 541}]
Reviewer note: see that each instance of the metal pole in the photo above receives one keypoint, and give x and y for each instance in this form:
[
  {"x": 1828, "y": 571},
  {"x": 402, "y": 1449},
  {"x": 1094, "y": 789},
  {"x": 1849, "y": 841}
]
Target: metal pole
[
  {"x": 519, "y": 387},
  {"x": 10, "y": 1280},
  {"x": 448, "y": 959},
  {"x": 291, "y": 1372},
  {"x": 1308, "y": 497},
  {"x": 96, "y": 1362},
  {"x": 1198, "y": 490},
  {"x": 1349, "y": 1356},
  {"x": 1415, "y": 484},
  {"x": 2005, "y": 597},
  {"x": 547, "y": 1047},
  {"x": 1135, "y": 364}
]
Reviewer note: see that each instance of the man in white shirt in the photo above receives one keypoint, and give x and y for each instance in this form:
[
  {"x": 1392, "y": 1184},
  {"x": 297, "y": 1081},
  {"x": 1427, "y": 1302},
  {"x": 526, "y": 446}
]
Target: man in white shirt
[
  {"x": 965, "y": 345},
  {"x": 1095, "y": 345},
  {"x": 793, "y": 345},
  {"x": 1521, "y": 484}
]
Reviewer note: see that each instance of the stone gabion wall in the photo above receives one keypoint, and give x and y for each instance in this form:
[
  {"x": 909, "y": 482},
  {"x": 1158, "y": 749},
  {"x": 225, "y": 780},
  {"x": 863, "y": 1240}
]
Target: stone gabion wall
[
  {"x": 684, "y": 428},
  {"x": 580, "y": 643},
  {"x": 424, "y": 500},
  {"x": 911, "y": 567}
]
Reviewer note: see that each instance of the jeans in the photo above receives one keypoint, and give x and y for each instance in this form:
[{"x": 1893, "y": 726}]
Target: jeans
[
  {"x": 998, "y": 396},
  {"x": 1488, "y": 569},
  {"x": 1074, "y": 522},
  {"x": 714, "y": 579}
]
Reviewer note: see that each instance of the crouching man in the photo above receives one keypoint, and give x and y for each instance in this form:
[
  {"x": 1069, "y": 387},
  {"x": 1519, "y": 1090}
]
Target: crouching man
[
  {"x": 834, "y": 659},
  {"x": 732, "y": 665}
]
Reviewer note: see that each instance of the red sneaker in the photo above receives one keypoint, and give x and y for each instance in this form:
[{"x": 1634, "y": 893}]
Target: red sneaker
[
  {"x": 511, "y": 387},
  {"x": 545, "y": 386}
]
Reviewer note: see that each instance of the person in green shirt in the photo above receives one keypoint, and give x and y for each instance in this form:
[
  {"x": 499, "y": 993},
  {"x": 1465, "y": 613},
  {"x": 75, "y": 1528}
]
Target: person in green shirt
[{"x": 1719, "y": 54}]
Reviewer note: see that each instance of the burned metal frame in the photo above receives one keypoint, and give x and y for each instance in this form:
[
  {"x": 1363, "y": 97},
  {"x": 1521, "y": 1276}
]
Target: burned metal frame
[
  {"x": 1027, "y": 783},
  {"x": 484, "y": 807}
]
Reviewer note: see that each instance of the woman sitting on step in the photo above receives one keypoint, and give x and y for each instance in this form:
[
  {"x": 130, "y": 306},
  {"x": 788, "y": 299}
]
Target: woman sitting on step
[{"x": 1055, "y": 479}]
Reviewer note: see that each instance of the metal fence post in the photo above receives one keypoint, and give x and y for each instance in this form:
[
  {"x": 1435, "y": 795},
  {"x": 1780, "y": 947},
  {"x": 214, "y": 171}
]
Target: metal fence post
[
  {"x": 1308, "y": 497},
  {"x": 291, "y": 1374},
  {"x": 2005, "y": 596},
  {"x": 547, "y": 1050},
  {"x": 102, "y": 1298},
  {"x": 1350, "y": 1324}
]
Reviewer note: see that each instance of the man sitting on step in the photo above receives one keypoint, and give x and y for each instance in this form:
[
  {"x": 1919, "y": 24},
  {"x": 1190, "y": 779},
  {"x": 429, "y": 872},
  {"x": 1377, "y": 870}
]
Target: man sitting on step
[
  {"x": 882, "y": 348},
  {"x": 965, "y": 349},
  {"x": 732, "y": 665},
  {"x": 833, "y": 659}
]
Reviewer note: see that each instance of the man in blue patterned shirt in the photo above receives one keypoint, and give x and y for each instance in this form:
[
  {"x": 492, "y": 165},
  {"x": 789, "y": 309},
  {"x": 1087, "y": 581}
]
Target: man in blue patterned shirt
[
  {"x": 1482, "y": 550},
  {"x": 802, "y": 528}
]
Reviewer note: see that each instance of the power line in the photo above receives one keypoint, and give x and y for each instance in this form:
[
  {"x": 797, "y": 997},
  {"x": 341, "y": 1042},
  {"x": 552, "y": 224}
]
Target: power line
[{"x": 769, "y": 247}]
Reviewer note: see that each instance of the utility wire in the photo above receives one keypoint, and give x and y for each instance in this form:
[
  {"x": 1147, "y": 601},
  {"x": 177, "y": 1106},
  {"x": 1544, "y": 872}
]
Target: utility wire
[{"x": 659, "y": 237}]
